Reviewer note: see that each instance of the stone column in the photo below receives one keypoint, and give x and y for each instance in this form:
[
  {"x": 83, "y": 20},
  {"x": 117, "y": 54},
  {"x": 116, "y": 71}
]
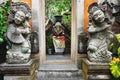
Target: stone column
[
  {"x": 80, "y": 16},
  {"x": 38, "y": 23}
]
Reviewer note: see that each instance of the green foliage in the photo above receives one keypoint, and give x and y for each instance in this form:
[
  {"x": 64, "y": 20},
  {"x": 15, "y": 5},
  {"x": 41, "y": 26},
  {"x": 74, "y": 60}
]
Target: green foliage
[
  {"x": 4, "y": 11},
  {"x": 49, "y": 41},
  {"x": 115, "y": 67},
  {"x": 118, "y": 50},
  {"x": 56, "y": 7},
  {"x": 115, "y": 63},
  {"x": 67, "y": 21}
]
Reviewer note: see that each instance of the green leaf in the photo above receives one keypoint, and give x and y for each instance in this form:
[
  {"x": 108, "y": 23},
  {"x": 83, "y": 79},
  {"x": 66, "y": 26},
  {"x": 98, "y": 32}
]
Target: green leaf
[
  {"x": 119, "y": 52},
  {"x": 4, "y": 10},
  {"x": 1, "y": 40}
]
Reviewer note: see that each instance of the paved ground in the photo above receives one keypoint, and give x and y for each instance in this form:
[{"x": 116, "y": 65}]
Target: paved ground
[
  {"x": 58, "y": 57},
  {"x": 77, "y": 78}
]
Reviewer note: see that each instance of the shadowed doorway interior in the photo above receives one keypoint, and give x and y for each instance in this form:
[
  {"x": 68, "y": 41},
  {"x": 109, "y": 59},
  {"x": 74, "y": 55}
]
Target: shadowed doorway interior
[{"x": 58, "y": 29}]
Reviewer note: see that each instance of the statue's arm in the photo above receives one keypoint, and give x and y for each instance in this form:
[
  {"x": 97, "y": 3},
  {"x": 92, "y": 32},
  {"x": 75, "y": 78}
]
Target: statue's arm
[
  {"x": 91, "y": 28},
  {"x": 25, "y": 29}
]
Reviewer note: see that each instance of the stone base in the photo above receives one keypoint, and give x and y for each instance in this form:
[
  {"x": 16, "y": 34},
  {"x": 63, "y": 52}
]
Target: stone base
[
  {"x": 18, "y": 71},
  {"x": 95, "y": 71},
  {"x": 17, "y": 78},
  {"x": 36, "y": 58}
]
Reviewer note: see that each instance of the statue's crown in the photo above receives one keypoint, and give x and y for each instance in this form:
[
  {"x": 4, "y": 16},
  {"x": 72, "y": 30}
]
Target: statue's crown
[{"x": 93, "y": 7}]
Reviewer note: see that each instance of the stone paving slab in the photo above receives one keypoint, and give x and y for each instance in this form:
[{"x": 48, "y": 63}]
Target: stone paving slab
[{"x": 61, "y": 79}]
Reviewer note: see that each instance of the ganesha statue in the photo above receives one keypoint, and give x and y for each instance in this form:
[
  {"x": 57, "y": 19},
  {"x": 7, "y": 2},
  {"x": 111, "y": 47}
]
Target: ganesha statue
[
  {"x": 58, "y": 35},
  {"x": 100, "y": 35},
  {"x": 18, "y": 32}
]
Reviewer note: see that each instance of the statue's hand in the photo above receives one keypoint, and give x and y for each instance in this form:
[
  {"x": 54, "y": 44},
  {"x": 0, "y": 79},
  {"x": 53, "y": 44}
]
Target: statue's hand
[
  {"x": 92, "y": 48},
  {"x": 18, "y": 31},
  {"x": 91, "y": 29}
]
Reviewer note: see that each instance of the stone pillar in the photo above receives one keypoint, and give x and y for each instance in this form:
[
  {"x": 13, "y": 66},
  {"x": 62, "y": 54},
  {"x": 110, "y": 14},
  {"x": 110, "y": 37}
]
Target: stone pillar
[
  {"x": 38, "y": 23},
  {"x": 80, "y": 16}
]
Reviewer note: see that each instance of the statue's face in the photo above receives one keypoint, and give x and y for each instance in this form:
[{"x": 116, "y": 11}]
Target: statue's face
[
  {"x": 19, "y": 17},
  {"x": 99, "y": 16}
]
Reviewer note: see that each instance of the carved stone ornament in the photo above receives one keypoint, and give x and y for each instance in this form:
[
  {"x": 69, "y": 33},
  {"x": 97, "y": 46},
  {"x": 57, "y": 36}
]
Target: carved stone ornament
[
  {"x": 3, "y": 2},
  {"x": 100, "y": 35},
  {"x": 17, "y": 35}
]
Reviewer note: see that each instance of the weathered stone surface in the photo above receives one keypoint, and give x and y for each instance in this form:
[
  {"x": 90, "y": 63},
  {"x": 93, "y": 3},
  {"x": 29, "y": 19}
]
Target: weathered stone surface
[
  {"x": 17, "y": 77},
  {"x": 95, "y": 71},
  {"x": 59, "y": 72},
  {"x": 17, "y": 34},
  {"x": 19, "y": 71},
  {"x": 100, "y": 35},
  {"x": 16, "y": 68}
]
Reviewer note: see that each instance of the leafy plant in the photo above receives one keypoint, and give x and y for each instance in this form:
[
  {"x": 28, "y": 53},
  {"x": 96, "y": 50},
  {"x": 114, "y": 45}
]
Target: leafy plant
[
  {"x": 56, "y": 7},
  {"x": 115, "y": 63},
  {"x": 49, "y": 41},
  {"x": 115, "y": 67},
  {"x": 67, "y": 21},
  {"x": 4, "y": 11}
]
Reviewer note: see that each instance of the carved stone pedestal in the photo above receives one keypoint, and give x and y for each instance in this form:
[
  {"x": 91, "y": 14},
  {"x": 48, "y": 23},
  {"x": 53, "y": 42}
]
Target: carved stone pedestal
[
  {"x": 95, "y": 71},
  {"x": 18, "y": 71},
  {"x": 36, "y": 58}
]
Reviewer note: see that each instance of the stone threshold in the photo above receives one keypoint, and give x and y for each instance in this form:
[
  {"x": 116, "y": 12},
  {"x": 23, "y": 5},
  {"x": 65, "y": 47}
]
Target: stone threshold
[{"x": 58, "y": 67}]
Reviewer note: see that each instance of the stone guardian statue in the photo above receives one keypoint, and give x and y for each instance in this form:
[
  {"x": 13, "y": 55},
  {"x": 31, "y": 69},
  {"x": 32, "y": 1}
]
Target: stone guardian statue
[
  {"x": 18, "y": 32},
  {"x": 100, "y": 35}
]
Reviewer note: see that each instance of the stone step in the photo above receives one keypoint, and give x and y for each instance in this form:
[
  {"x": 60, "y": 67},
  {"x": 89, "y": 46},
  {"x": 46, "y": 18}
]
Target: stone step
[
  {"x": 59, "y": 72},
  {"x": 78, "y": 78},
  {"x": 58, "y": 67},
  {"x": 42, "y": 74}
]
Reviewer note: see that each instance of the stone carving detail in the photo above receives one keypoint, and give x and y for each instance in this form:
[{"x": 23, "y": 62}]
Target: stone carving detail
[
  {"x": 100, "y": 35},
  {"x": 18, "y": 32}
]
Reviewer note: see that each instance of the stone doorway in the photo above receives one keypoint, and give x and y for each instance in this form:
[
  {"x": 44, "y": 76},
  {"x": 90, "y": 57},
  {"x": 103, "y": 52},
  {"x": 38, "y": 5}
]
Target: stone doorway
[
  {"x": 58, "y": 29},
  {"x": 42, "y": 39}
]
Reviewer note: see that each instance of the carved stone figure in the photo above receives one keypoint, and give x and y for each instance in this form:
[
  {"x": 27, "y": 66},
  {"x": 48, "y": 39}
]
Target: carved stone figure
[
  {"x": 58, "y": 37},
  {"x": 17, "y": 35},
  {"x": 111, "y": 8},
  {"x": 112, "y": 11},
  {"x": 3, "y": 2},
  {"x": 100, "y": 35}
]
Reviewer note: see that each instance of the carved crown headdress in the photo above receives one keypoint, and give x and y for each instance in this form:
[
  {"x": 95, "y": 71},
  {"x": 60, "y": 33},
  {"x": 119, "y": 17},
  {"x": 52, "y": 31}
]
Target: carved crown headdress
[
  {"x": 93, "y": 7},
  {"x": 19, "y": 6}
]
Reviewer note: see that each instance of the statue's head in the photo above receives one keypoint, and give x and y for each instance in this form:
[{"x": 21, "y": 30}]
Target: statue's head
[
  {"x": 114, "y": 5},
  {"x": 99, "y": 16},
  {"x": 58, "y": 28},
  {"x": 19, "y": 11},
  {"x": 19, "y": 17},
  {"x": 96, "y": 13}
]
